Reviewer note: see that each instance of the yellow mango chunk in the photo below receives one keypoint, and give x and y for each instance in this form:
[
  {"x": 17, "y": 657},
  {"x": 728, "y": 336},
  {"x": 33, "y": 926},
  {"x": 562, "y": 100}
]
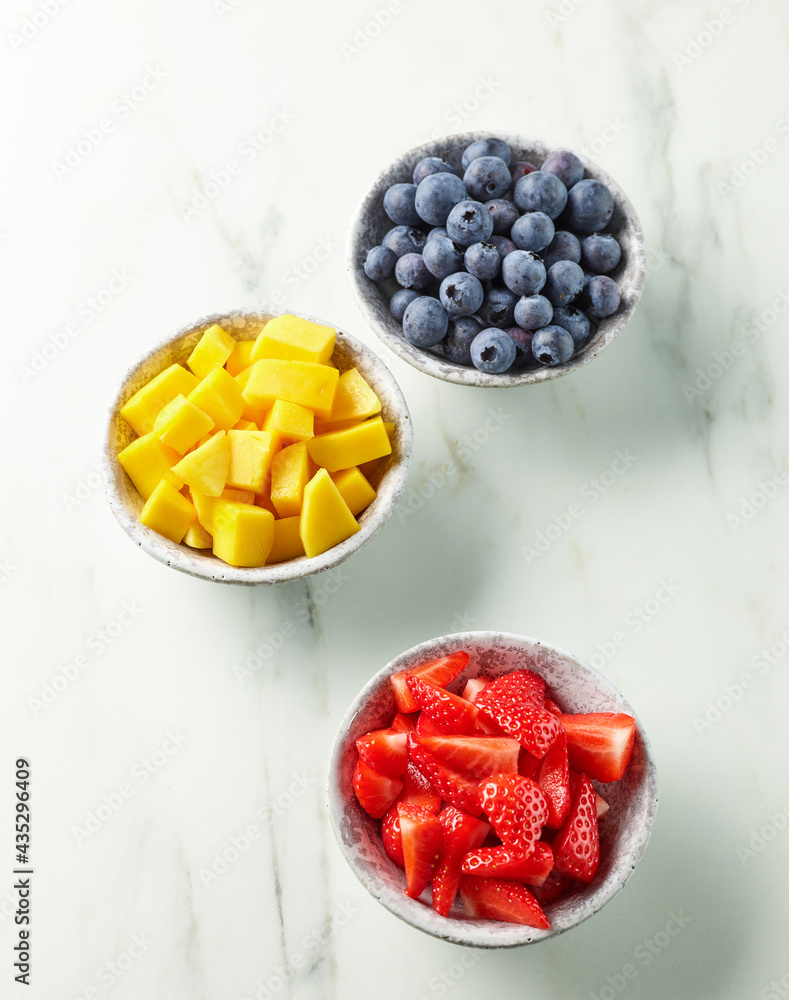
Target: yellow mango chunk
[
  {"x": 142, "y": 409},
  {"x": 345, "y": 448},
  {"x": 243, "y": 533},
  {"x": 325, "y": 518},
  {"x": 240, "y": 357},
  {"x": 246, "y": 425},
  {"x": 287, "y": 540},
  {"x": 147, "y": 462},
  {"x": 219, "y": 395},
  {"x": 205, "y": 510},
  {"x": 290, "y": 338},
  {"x": 211, "y": 351},
  {"x": 180, "y": 425},
  {"x": 204, "y": 470},
  {"x": 168, "y": 512},
  {"x": 389, "y": 428},
  {"x": 255, "y": 414},
  {"x": 290, "y": 472},
  {"x": 251, "y": 453},
  {"x": 240, "y": 496},
  {"x": 301, "y": 382},
  {"x": 354, "y": 489},
  {"x": 289, "y": 422},
  {"x": 264, "y": 500},
  {"x": 197, "y": 537},
  {"x": 354, "y": 399}
]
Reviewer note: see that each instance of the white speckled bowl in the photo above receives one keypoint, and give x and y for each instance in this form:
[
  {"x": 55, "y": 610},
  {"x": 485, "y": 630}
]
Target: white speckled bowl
[
  {"x": 126, "y": 503},
  {"x": 371, "y": 223},
  {"x": 624, "y": 831}
]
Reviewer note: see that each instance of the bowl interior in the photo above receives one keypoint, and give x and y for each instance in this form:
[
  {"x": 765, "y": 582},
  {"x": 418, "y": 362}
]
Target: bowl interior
[
  {"x": 389, "y": 479},
  {"x": 371, "y": 223},
  {"x": 624, "y": 831}
]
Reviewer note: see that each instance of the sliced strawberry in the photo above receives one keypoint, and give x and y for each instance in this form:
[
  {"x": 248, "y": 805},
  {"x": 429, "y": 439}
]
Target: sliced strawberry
[
  {"x": 384, "y": 751},
  {"x": 438, "y": 672},
  {"x": 375, "y": 792},
  {"x": 601, "y": 804},
  {"x": 495, "y": 899},
  {"x": 426, "y": 727},
  {"x": 550, "y": 706},
  {"x": 473, "y": 687},
  {"x": 528, "y": 764},
  {"x": 456, "y": 788},
  {"x": 479, "y": 756},
  {"x": 600, "y": 744},
  {"x": 423, "y": 840},
  {"x": 514, "y": 689},
  {"x": 390, "y": 834},
  {"x": 504, "y": 862},
  {"x": 533, "y": 727},
  {"x": 576, "y": 847},
  {"x": 516, "y": 808},
  {"x": 402, "y": 723},
  {"x": 555, "y": 887},
  {"x": 417, "y": 790},
  {"x": 553, "y": 777},
  {"x": 462, "y": 833},
  {"x": 450, "y": 713}
]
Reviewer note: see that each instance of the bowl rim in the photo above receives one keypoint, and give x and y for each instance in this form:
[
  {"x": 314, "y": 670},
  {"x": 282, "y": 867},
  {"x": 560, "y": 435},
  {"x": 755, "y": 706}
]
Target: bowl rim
[
  {"x": 468, "y": 933},
  {"x": 438, "y": 366},
  {"x": 191, "y": 562}
]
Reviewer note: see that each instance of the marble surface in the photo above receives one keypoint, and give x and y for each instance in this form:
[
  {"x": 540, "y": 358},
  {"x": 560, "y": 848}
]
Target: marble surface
[{"x": 163, "y": 161}]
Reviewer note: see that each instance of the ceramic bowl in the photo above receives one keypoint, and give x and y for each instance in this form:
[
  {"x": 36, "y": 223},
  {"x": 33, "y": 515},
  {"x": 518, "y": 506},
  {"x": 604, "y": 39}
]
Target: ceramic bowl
[
  {"x": 624, "y": 831},
  {"x": 126, "y": 503},
  {"x": 371, "y": 223}
]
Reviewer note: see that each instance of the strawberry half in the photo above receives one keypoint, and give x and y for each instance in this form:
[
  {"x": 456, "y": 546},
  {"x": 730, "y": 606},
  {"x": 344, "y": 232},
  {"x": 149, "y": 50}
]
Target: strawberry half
[
  {"x": 462, "y": 833},
  {"x": 515, "y": 688},
  {"x": 499, "y": 900},
  {"x": 576, "y": 847},
  {"x": 390, "y": 835},
  {"x": 376, "y": 792},
  {"x": 450, "y": 713},
  {"x": 426, "y": 727},
  {"x": 422, "y": 838},
  {"x": 417, "y": 790},
  {"x": 479, "y": 756},
  {"x": 533, "y": 727},
  {"x": 504, "y": 862},
  {"x": 437, "y": 672},
  {"x": 516, "y": 808},
  {"x": 553, "y": 777},
  {"x": 456, "y": 788},
  {"x": 384, "y": 751},
  {"x": 600, "y": 744},
  {"x": 403, "y": 723}
]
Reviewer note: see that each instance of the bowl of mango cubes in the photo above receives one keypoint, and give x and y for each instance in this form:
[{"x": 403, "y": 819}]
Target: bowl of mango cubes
[{"x": 256, "y": 448}]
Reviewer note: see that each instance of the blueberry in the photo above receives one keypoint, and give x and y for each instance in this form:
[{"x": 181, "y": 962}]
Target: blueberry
[
  {"x": 574, "y": 321},
  {"x": 563, "y": 246},
  {"x": 411, "y": 272},
  {"x": 400, "y": 300},
  {"x": 520, "y": 169},
  {"x": 532, "y": 231},
  {"x": 457, "y": 342},
  {"x": 492, "y": 351},
  {"x": 487, "y": 147},
  {"x": 431, "y": 165},
  {"x": 522, "y": 340},
  {"x": 482, "y": 260},
  {"x": 498, "y": 307},
  {"x": 566, "y": 165},
  {"x": 523, "y": 272},
  {"x": 602, "y": 296},
  {"x": 502, "y": 244},
  {"x": 461, "y": 294},
  {"x": 442, "y": 257},
  {"x": 590, "y": 206},
  {"x": 540, "y": 192},
  {"x": 436, "y": 231},
  {"x": 379, "y": 264},
  {"x": 404, "y": 239},
  {"x": 504, "y": 213},
  {"x": 533, "y": 311},
  {"x": 552, "y": 345},
  {"x": 487, "y": 177},
  {"x": 469, "y": 222},
  {"x": 564, "y": 281},
  {"x": 600, "y": 253},
  {"x": 425, "y": 321},
  {"x": 436, "y": 195},
  {"x": 399, "y": 205}
]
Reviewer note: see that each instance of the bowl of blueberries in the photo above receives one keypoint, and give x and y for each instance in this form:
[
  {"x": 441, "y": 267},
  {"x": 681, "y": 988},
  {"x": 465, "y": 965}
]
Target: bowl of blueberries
[{"x": 496, "y": 260}]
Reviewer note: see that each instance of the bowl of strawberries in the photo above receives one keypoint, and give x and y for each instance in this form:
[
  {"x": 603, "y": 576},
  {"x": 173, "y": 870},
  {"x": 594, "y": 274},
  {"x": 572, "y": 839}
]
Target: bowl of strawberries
[{"x": 491, "y": 789}]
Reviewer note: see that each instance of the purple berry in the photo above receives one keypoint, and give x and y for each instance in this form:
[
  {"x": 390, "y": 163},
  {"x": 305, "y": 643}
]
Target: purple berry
[
  {"x": 457, "y": 343},
  {"x": 400, "y": 300},
  {"x": 600, "y": 253},
  {"x": 540, "y": 192},
  {"x": 532, "y": 231},
  {"x": 574, "y": 321},
  {"x": 411, "y": 272},
  {"x": 404, "y": 239},
  {"x": 379, "y": 264},
  {"x": 461, "y": 294},
  {"x": 552, "y": 345},
  {"x": 492, "y": 351},
  {"x": 399, "y": 205},
  {"x": 564, "y": 281},
  {"x": 563, "y": 246},
  {"x": 504, "y": 213},
  {"x": 431, "y": 165},
  {"x": 487, "y": 177},
  {"x": 533, "y": 311},
  {"x": 436, "y": 195},
  {"x": 602, "y": 296},
  {"x": 498, "y": 307},
  {"x": 483, "y": 261},
  {"x": 486, "y": 147},
  {"x": 425, "y": 322},
  {"x": 442, "y": 257},
  {"x": 590, "y": 206},
  {"x": 566, "y": 165},
  {"x": 503, "y": 244},
  {"x": 523, "y": 272},
  {"x": 468, "y": 222}
]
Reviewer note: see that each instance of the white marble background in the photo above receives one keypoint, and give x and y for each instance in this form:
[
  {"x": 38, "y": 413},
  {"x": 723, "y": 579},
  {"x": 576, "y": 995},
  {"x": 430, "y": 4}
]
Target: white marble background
[{"x": 672, "y": 580}]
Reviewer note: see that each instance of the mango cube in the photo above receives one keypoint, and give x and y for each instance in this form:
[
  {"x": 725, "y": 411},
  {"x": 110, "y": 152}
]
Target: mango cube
[
  {"x": 246, "y": 425},
  {"x": 204, "y": 470},
  {"x": 168, "y": 512},
  {"x": 354, "y": 399},
  {"x": 325, "y": 517},
  {"x": 343, "y": 449},
  {"x": 354, "y": 489},
  {"x": 290, "y": 473},
  {"x": 293, "y": 339},
  {"x": 219, "y": 395},
  {"x": 240, "y": 496},
  {"x": 290, "y": 422},
  {"x": 197, "y": 537},
  {"x": 212, "y": 351},
  {"x": 205, "y": 510},
  {"x": 251, "y": 453},
  {"x": 255, "y": 414},
  {"x": 287, "y": 540},
  {"x": 180, "y": 425},
  {"x": 240, "y": 357},
  {"x": 142, "y": 409},
  {"x": 299, "y": 382},
  {"x": 243, "y": 533},
  {"x": 147, "y": 462}
]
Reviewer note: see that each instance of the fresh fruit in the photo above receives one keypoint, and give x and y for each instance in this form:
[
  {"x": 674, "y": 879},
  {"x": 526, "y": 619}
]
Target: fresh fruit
[
  {"x": 590, "y": 206},
  {"x": 418, "y": 791},
  {"x": 563, "y": 246},
  {"x": 399, "y": 205},
  {"x": 516, "y": 808},
  {"x": 376, "y": 792},
  {"x": 479, "y": 756},
  {"x": 459, "y": 337},
  {"x": 540, "y": 192},
  {"x": 486, "y": 147},
  {"x": 411, "y": 271},
  {"x": 439, "y": 673},
  {"x": 447, "y": 711},
  {"x": 600, "y": 253},
  {"x": 552, "y": 345},
  {"x": 523, "y": 272},
  {"x": 482, "y": 260},
  {"x": 425, "y": 321},
  {"x": 497, "y": 307},
  {"x": 379, "y": 264},
  {"x": 576, "y": 847},
  {"x": 422, "y": 838},
  {"x": 469, "y": 222},
  {"x": 487, "y": 177},
  {"x": 496, "y": 899},
  {"x": 566, "y": 165},
  {"x": 437, "y": 195},
  {"x": 431, "y": 165},
  {"x": 505, "y": 862},
  {"x": 600, "y": 744},
  {"x": 454, "y": 787},
  {"x": 384, "y": 751},
  {"x": 532, "y": 231},
  {"x": 533, "y": 312},
  {"x": 574, "y": 321},
  {"x": 442, "y": 257},
  {"x": 553, "y": 777},
  {"x": 602, "y": 296},
  {"x": 461, "y": 294},
  {"x": 404, "y": 239},
  {"x": 533, "y": 727},
  {"x": 492, "y": 351},
  {"x": 563, "y": 282},
  {"x": 462, "y": 833},
  {"x": 390, "y": 835}
]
